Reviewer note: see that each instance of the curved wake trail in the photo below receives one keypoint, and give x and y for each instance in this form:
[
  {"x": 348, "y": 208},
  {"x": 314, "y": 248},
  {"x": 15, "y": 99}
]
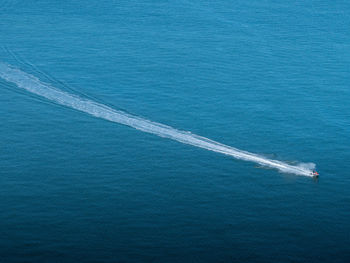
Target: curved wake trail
[{"x": 32, "y": 84}]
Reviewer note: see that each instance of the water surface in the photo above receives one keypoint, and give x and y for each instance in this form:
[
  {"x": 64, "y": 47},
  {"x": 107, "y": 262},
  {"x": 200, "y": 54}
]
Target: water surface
[{"x": 267, "y": 77}]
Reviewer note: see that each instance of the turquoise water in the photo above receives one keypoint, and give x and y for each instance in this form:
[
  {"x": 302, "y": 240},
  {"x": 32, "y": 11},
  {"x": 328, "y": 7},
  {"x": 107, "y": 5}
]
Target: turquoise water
[{"x": 262, "y": 76}]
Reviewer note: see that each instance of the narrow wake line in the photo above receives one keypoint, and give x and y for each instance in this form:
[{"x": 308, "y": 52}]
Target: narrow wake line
[{"x": 32, "y": 84}]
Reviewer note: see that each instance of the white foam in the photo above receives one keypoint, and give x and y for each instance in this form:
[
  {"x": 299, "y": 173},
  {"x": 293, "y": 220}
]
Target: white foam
[{"x": 32, "y": 84}]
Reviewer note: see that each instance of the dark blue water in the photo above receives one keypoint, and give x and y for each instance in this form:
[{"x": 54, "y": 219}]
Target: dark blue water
[{"x": 263, "y": 76}]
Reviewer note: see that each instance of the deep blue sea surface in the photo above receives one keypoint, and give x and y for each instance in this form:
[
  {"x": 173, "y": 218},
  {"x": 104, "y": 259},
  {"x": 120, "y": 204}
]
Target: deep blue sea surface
[{"x": 269, "y": 77}]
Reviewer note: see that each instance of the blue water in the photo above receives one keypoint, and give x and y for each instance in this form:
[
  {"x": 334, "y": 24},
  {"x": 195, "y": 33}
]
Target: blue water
[{"x": 267, "y": 77}]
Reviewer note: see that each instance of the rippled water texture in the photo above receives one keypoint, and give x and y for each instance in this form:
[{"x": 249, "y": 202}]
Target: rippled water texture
[{"x": 266, "y": 77}]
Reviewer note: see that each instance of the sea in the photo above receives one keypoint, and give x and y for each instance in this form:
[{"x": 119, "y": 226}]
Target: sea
[{"x": 266, "y": 77}]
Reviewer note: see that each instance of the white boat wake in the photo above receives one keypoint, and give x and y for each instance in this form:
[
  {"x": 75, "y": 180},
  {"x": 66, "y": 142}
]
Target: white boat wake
[{"x": 32, "y": 84}]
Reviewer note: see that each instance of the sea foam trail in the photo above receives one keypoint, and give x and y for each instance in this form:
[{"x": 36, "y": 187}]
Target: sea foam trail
[{"x": 32, "y": 84}]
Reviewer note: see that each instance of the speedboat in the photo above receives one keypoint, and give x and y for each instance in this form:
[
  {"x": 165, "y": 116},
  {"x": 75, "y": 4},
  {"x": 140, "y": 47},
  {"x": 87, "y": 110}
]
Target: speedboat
[{"x": 314, "y": 173}]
